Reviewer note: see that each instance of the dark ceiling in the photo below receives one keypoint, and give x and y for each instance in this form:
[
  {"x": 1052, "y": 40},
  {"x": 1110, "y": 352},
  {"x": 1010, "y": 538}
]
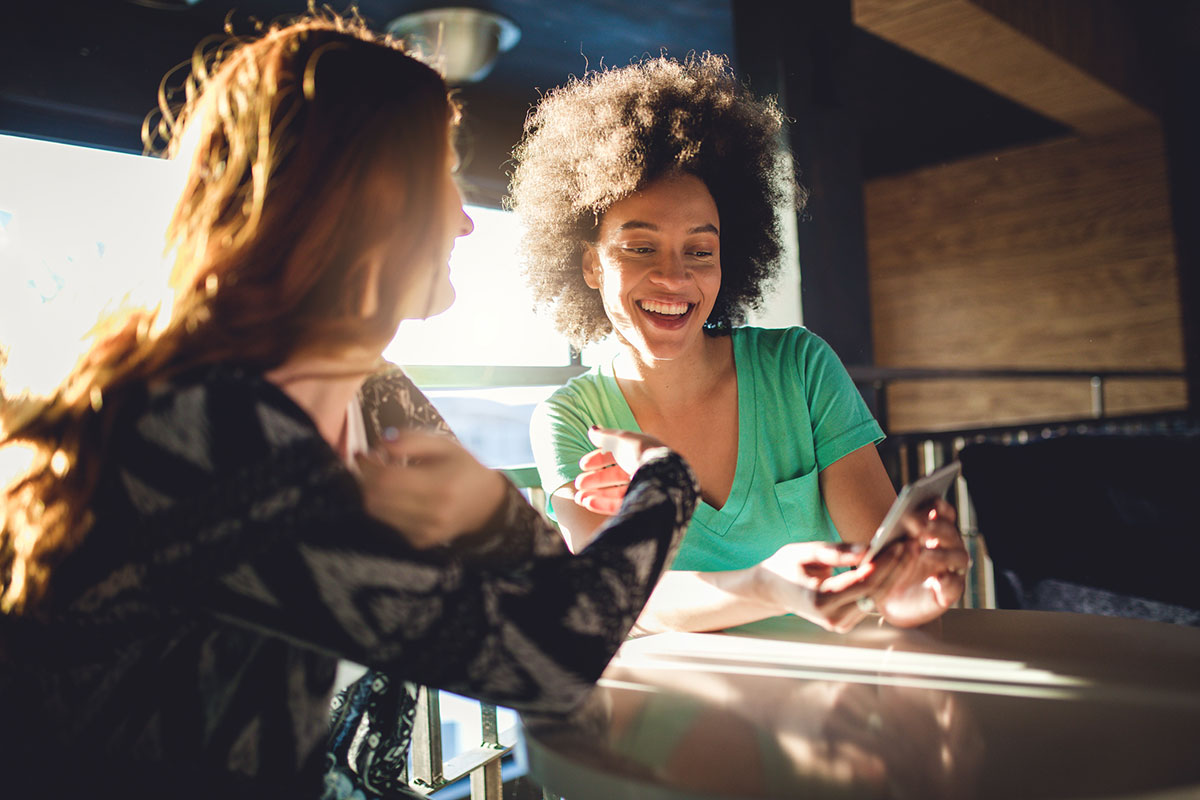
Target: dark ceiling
[{"x": 87, "y": 71}]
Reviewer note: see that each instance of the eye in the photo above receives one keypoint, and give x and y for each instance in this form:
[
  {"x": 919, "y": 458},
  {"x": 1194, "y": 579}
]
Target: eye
[{"x": 639, "y": 249}]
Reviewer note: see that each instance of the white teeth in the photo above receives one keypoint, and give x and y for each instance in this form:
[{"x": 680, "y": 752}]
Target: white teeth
[{"x": 671, "y": 309}]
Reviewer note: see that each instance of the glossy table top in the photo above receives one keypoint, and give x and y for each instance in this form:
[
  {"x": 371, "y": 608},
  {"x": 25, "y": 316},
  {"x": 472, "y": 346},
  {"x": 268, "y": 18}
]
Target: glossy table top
[{"x": 980, "y": 704}]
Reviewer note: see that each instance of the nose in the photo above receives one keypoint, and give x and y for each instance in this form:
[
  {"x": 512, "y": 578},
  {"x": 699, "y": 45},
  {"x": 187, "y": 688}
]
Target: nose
[
  {"x": 671, "y": 270},
  {"x": 466, "y": 224}
]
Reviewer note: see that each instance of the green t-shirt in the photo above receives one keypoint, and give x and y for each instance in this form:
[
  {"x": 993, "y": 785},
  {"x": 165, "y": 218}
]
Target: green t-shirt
[{"x": 798, "y": 412}]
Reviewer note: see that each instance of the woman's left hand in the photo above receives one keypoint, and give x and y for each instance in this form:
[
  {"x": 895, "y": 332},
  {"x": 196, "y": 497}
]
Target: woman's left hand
[
  {"x": 933, "y": 568},
  {"x": 602, "y": 485},
  {"x": 427, "y": 486}
]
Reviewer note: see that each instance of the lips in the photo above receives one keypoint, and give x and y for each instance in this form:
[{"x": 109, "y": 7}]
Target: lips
[
  {"x": 664, "y": 309},
  {"x": 664, "y": 315}
]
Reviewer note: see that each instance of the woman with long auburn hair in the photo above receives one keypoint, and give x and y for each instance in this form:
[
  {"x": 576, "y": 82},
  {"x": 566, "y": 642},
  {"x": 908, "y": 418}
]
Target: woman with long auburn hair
[{"x": 226, "y": 494}]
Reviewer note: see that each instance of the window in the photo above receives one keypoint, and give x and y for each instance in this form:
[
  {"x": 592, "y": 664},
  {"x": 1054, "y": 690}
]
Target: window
[{"x": 80, "y": 228}]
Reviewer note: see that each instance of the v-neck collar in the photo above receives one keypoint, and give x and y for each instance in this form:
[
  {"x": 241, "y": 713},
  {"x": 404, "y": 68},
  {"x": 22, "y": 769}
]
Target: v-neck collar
[{"x": 718, "y": 520}]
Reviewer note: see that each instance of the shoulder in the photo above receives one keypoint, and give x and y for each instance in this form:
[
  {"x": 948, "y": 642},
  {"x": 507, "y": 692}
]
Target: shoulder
[
  {"x": 570, "y": 410},
  {"x": 388, "y": 381},
  {"x": 213, "y": 415},
  {"x": 584, "y": 383},
  {"x": 796, "y": 342},
  {"x": 389, "y": 398},
  {"x": 582, "y": 391}
]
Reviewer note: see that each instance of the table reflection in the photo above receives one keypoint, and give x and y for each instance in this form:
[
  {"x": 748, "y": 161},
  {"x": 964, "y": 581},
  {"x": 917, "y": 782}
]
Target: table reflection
[{"x": 951, "y": 711}]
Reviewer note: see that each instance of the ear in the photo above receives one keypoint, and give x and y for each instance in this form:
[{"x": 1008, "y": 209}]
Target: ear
[{"x": 591, "y": 266}]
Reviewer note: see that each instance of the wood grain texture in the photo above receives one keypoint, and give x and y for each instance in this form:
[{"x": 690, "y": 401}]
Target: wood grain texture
[
  {"x": 1111, "y": 40},
  {"x": 951, "y": 405},
  {"x": 964, "y": 38},
  {"x": 1055, "y": 256}
]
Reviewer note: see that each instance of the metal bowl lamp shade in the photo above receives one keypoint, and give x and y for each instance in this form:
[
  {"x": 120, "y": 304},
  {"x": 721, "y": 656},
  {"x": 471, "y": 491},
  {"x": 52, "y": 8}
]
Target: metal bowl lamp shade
[{"x": 463, "y": 42}]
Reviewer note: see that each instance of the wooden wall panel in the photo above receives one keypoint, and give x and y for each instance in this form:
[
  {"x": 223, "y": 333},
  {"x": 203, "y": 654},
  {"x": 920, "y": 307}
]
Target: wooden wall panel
[
  {"x": 965, "y": 38},
  {"x": 949, "y": 405},
  {"x": 1054, "y": 256}
]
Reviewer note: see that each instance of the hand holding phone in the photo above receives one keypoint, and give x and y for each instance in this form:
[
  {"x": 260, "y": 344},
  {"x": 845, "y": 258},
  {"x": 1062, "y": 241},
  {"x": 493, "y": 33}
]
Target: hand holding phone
[{"x": 916, "y": 494}]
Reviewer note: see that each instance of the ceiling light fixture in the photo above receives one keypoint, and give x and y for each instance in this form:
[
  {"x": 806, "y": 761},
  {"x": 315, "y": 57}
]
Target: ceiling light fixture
[{"x": 464, "y": 42}]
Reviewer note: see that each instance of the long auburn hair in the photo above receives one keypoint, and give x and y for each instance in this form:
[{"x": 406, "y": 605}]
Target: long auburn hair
[{"x": 315, "y": 159}]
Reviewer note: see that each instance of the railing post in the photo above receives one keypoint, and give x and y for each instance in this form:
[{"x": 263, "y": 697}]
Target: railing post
[
  {"x": 1097, "y": 384},
  {"x": 979, "y": 591},
  {"x": 427, "y": 740},
  {"x": 486, "y": 781}
]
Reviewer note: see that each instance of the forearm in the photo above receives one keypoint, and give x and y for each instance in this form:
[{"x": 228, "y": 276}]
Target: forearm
[
  {"x": 533, "y": 634},
  {"x": 514, "y": 534},
  {"x": 577, "y": 610},
  {"x": 706, "y": 601}
]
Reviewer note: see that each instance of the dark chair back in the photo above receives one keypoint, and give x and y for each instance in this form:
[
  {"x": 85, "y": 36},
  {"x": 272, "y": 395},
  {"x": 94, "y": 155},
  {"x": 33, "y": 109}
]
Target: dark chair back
[{"x": 1092, "y": 523}]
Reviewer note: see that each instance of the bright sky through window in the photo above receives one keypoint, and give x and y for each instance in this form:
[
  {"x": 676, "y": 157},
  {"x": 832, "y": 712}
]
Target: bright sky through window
[
  {"x": 492, "y": 319},
  {"x": 80, "y": 228}
]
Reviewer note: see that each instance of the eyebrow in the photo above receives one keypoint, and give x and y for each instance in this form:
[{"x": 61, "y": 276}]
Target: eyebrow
[{"x": 636, "y": 224}]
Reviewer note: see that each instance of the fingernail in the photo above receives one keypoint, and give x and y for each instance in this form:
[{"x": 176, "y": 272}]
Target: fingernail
[{"x": 933, "y": 514}]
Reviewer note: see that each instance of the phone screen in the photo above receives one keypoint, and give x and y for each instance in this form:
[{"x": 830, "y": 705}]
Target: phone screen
[{"x": 911, "y": 497}]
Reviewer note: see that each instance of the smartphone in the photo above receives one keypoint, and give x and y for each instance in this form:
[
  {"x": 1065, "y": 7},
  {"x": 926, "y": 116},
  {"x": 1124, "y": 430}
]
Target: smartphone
[{"x": 916, "y": 494}]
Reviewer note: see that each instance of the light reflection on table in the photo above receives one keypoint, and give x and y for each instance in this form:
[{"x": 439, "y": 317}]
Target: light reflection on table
[{"x": 987, "y": 704}]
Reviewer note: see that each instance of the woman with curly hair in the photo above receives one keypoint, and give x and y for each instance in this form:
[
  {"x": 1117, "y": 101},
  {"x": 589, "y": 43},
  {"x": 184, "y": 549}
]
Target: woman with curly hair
[
  {"x": 222, "y": 498},
  {"x": 649, "y": 197}
]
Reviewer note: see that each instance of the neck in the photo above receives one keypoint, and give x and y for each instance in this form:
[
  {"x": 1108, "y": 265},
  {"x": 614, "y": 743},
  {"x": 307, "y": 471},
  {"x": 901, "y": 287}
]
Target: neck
[
  {"x": 324, "y": 386},
  {"x": 676, "y": 382}
]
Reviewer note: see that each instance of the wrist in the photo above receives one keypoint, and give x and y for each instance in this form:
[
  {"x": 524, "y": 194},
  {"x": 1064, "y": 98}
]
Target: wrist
[
  {"x": 759, "y": 587},
  {"x": 654, "y": 453},
  {"x": 492, "y": 504}
]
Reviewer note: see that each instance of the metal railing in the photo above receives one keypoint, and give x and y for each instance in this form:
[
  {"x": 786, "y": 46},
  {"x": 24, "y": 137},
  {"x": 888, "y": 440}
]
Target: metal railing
[
  {"x": 909, "y": 455},
  {"x": 880, "y": 378},
  {"x": 430, "y": 772}
]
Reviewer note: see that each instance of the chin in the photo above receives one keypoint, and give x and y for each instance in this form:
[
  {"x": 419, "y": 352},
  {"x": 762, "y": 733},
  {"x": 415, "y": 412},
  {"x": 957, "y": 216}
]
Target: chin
[
  {"x": 654, "y": 351},
  {"x": 441, "y": 300},
  {"x": 440, "y": 297},
  {"x": 438, "y": 304}
]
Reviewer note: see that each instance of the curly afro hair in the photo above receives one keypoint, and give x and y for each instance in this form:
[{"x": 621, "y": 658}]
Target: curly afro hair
[{"x": 598, "y": 139}]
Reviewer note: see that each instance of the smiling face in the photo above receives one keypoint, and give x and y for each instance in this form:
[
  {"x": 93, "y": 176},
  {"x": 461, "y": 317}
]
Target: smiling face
[{"x": 657, "y": 264}]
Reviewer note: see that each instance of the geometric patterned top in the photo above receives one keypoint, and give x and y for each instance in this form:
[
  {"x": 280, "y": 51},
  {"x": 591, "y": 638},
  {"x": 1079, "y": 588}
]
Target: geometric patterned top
[{"x": 189, "y": 645}]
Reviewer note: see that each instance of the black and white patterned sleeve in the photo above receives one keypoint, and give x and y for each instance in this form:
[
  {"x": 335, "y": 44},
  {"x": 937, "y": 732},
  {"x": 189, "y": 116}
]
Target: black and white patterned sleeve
[
  {"x": 281, "y": 544},
  {"x": 534, "y": 635}
]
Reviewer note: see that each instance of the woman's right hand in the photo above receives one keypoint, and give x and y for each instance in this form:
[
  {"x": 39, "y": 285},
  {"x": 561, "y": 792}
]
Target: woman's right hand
[
  {"x": 429, "y": 487},
  {"x": 799, "y": 579},
  {"x": 601, "y": 486}
]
